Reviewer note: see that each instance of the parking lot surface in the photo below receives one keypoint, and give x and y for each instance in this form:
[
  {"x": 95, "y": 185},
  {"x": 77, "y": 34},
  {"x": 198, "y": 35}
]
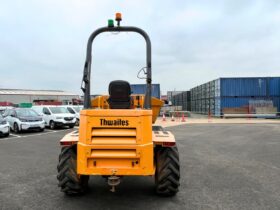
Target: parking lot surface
[
  {"x": 26, "y": 134},
  {"x": 223, "y": 166}
]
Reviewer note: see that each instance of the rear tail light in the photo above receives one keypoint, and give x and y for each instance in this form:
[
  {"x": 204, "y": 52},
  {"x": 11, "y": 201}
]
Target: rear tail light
[
  {"x": 168, "y": 144},
  {"x": 67, "y": 143}
]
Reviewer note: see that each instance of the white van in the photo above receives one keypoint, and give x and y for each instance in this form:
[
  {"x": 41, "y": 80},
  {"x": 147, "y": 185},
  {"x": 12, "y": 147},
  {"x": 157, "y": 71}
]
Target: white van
[
  {"x": 74, "y": 109},
  {"x": 56, "y": 116}
]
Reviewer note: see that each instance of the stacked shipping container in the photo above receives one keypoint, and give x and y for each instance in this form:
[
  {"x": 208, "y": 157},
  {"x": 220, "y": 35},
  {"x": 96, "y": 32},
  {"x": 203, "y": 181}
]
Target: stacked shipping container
[
  {"x": 182, "y": 99},
  {"x": 214, "y": 96}
]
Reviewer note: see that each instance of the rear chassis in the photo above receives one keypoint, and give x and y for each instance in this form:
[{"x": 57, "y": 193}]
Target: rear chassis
[{"x": 117, "y": 151}]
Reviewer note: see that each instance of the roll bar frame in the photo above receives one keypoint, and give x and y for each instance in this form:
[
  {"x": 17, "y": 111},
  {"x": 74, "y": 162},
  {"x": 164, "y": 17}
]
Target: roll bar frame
[{"x": 87, "y": 68}]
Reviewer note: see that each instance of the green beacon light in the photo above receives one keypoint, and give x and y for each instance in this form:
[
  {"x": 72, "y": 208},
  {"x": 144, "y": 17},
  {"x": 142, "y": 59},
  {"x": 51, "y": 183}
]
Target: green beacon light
[{"x": 110, "y": 23}]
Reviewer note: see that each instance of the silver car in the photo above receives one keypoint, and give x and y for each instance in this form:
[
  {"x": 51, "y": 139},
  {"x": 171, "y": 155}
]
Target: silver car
[
  {"x": 21, "y": 119},
  {"x": 4, "y": 127}
]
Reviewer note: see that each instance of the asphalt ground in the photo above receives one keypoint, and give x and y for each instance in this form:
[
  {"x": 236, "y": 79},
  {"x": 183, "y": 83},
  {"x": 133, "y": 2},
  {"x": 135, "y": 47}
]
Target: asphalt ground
[
  {"x": 31, "y": 133},
  {"x": 223, "y": 166}
]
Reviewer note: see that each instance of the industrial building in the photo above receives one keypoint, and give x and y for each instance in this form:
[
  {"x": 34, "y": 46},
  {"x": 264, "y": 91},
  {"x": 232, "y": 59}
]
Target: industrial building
[
  {"x": 232, "y": 95},
  {"x": 17, "y": 96}
]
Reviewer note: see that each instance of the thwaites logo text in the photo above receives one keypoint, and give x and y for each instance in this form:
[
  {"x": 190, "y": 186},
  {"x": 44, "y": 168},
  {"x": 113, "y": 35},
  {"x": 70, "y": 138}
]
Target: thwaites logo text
[{"x": 117, "y": 122}]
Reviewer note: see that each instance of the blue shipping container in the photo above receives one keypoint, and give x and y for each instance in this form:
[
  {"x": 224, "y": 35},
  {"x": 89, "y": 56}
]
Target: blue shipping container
[
  {"x": 231, "y": 102},
  {"x": 274, "y": 86},
  {"x": 276, "y": 103},
  {"x": 236, "y": 92},
  {"x": 243, "y": 87},
  {"x": 248, "y": 87},
  {"x": 141, "y": 89}
]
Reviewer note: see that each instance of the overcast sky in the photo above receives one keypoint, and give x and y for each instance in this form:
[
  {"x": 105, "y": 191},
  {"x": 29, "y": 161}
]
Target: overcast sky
[{"x": 43, "y": 43}]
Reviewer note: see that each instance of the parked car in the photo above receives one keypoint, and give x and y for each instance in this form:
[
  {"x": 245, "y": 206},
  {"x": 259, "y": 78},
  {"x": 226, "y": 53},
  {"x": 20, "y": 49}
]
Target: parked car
[
  {"x": 74, "y": 110},
  {"x": 4, "y": 127},
  {"x": 3, "y": 109},
  {"x": 23, "y": 119},
  {"x": 56, "y": 116}
]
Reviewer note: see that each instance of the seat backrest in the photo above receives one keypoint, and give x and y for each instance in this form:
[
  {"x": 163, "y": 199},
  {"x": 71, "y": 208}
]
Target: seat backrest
[{"x": 119, "y": 92}]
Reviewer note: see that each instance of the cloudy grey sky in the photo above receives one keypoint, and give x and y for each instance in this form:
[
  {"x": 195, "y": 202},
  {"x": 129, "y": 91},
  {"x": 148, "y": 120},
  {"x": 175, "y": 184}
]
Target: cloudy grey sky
[{"x": 43, "y": 43}]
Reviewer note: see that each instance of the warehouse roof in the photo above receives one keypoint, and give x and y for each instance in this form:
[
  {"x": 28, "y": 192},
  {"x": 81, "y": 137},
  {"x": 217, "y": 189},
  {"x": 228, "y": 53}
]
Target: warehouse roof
[{"x": 35, "y": 92}]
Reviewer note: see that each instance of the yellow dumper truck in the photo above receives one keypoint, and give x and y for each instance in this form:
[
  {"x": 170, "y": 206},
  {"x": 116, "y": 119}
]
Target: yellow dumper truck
[{"x": 116, "y": 137}]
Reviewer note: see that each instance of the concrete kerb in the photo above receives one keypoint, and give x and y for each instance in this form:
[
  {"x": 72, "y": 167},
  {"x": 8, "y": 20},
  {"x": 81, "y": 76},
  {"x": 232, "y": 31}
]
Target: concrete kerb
[{"x": 169, "y": 123}]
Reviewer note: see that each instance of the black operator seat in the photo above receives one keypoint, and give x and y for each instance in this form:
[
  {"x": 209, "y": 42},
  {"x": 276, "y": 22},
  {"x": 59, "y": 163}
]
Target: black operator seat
[{"x": 119, "y": 91}]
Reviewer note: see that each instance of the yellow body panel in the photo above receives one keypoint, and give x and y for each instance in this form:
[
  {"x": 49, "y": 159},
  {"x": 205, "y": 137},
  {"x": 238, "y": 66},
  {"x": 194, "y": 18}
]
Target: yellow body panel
[
  {"x": 115, "y": 142},
  {"x": 138, "y": 102}
]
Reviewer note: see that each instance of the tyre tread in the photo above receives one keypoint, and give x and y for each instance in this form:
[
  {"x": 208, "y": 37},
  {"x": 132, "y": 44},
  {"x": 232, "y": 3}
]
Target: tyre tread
[
  {"x": 167, "y": 171},
  {"x": 69, "y": 182}
]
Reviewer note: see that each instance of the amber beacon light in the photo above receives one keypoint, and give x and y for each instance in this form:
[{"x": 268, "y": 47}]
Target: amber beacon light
[{"x": 118, "y": 18}]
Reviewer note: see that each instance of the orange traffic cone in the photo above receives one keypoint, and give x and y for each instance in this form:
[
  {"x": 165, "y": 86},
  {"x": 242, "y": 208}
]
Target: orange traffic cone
[
  {"x": 172, "y": 118},
  {"x": 177, "y": 116},
  {"x": 183, "y": 118},
  {"x": 163, "y": 117},
  {"x": 249, "y": 114},
  {"x": 209, "y": 117}
]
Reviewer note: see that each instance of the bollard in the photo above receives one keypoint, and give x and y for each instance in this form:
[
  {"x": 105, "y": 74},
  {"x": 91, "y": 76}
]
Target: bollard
[
  {"x": 172, "y": 118},
  {"x": 163, "y": 117},
  {"x": 183, "y": 118},
  {"x": 209, "y": 117}
]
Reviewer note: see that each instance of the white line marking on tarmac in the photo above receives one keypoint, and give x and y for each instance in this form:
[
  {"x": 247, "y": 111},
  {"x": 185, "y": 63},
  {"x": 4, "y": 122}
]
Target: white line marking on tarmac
[
  {"x": 37, "y": 134},
  {"x": 14, "y": 135}
]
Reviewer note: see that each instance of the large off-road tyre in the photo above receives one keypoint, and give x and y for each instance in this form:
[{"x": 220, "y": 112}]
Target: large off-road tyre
[
  {"x": 69, "y": 181},
  {"x": 167, "y": 175}
]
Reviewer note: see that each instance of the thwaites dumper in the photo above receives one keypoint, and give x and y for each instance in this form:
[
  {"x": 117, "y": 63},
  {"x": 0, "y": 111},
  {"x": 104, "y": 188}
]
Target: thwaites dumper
[{"x": 116, "y": 137}]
